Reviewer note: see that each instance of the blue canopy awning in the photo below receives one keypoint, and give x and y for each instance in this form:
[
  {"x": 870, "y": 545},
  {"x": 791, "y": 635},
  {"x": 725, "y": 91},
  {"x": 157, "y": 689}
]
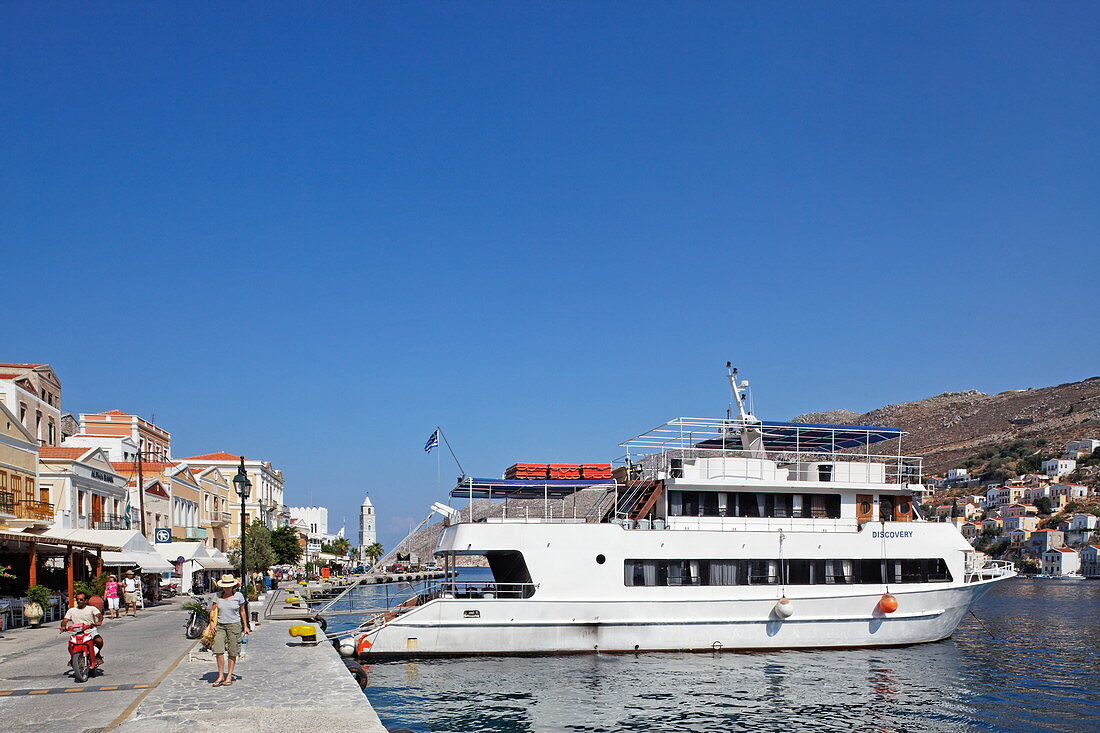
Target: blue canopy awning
[
  {"x": 796, "y": 436},
  {"x": 503, "y": 488}
]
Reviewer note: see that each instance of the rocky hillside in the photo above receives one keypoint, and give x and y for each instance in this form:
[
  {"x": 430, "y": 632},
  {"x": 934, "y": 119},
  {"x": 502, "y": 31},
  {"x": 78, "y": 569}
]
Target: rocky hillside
[{"x": 951, "y": 426}]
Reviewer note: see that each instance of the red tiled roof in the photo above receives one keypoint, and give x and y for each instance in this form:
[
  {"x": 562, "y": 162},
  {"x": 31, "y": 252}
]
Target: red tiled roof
[
  {"x": 219, "y": 456},
  {"x": 109, "y": 412},
  {"x": 22, "y": 366},
  {"x": 8, "y": 376},
  {"x": 64, "y": 452},
  {"x": 145, "y": 465}
]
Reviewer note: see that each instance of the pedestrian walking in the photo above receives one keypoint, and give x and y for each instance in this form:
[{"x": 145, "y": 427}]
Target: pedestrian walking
[
  {"x": 113, "y": 591},
  {"x": 229, "y": 624},
  {"x": 131, "y": 586}
]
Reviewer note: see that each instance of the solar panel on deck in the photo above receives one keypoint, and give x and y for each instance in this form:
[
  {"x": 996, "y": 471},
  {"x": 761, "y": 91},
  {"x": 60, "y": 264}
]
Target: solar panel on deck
[
  {"x": 499, "y": 488},
  {"x": 793, "y": 436}
]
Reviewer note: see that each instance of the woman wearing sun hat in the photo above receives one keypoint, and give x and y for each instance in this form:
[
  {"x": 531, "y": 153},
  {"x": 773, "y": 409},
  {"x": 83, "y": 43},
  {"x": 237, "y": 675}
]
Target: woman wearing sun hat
[
  {"x": 229, "y": 622},
  {"x": 113, "y": 591}
]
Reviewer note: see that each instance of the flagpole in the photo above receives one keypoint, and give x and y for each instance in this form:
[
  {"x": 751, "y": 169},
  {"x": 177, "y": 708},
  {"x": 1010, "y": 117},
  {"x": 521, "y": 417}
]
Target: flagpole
[
  {"x": 438, "y": 470},
  {"x": 448, "y": 443}
]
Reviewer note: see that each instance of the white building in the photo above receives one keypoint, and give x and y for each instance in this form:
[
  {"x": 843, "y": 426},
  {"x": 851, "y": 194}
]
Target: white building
[
  {"x": 85, "y": 489},
  {"x": 958, "y": 474},
  {"x": 312, "y": 523},
  {"x": 1080, "y": 448},
  {"x": 368, "y": 523},
  {"x": 1090, "y": 561},
  {"x": 1083, "y": 521},
  {"x": 311, "y": 519},
  {"x": 1061, "y": 561},
  {"x": 1057, "y": 467},
  {"x": 1081, "y": 528},
  {"x": 121, "y": 449}
]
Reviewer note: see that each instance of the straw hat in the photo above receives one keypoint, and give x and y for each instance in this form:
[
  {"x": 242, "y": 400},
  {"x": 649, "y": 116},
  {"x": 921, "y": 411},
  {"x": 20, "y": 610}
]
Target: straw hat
[
  {"x": 129, "y": 572},
  {"x": 227, "y": 581}
]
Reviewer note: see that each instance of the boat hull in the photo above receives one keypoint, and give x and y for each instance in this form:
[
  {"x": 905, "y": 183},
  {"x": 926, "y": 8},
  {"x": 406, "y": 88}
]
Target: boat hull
[{"x": 449, "y": 627}]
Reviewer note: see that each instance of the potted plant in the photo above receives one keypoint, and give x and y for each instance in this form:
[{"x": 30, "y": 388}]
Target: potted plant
[
  {"x": 89, "y": 589},
  {"x": 37, "y": 598}
]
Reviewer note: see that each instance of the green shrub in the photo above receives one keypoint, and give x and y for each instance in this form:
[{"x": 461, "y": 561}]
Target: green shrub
[
  {"x": 200, "y": 609},
  {"x": 39, "y": 594}
]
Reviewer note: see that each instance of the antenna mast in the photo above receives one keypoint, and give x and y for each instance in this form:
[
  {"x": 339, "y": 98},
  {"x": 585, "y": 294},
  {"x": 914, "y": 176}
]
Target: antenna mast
[{"x": 736, "y": 387}]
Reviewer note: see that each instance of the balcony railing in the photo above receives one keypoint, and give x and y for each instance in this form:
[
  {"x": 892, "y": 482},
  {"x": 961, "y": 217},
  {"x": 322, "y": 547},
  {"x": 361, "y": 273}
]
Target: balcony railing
[
  {"x": 7, "y": 502},
  {"x": 30, "y": 509},
  {"x": 219, "y": 518},
  {"x": 108, "y": 521}
]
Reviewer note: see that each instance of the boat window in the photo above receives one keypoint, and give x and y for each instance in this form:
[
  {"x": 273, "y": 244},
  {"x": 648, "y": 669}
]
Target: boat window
[
  {"x": 510, "y": 574},
  {"x": 753, "y": 504},
  {"x": 792, "y": 572}
]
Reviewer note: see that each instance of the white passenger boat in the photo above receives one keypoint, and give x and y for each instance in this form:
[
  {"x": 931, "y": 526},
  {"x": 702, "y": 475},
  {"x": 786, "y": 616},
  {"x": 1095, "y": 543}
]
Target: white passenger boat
[{"x": 718, "y": 534}]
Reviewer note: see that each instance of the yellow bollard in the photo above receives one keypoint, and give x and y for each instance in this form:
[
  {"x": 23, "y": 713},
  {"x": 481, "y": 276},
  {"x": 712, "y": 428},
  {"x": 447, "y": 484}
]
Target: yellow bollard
[{"x": 305, "y": 632}]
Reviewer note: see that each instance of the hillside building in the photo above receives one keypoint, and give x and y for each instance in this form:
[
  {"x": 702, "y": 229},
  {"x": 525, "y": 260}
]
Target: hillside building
[
  {"x": 1058, "y": 467},
  {"x": 1042, "y": 540},
  {"x": 1061, "y": 561},
  {"x": 1090, "y": 561},
  {"x": 1076, "y": 449}
]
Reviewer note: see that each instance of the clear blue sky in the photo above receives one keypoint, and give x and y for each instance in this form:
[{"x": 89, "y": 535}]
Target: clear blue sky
[{"x": 312, "y": 234}]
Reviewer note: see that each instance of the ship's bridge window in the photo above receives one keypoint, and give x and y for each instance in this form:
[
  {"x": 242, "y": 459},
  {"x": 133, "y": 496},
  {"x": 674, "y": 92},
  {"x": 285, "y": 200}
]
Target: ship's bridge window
[
  {"x": 756, "y": 504},
  {"x": 789, "y": 572}
]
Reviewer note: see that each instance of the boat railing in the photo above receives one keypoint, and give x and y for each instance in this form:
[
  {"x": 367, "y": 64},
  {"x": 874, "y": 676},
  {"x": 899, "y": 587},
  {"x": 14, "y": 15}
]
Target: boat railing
[
  {"x": 981, "y": 568},
  {"x": 489, "y": 589},
  {"x": 559, "y": 511},
  {"x": 731, "y": 464}
]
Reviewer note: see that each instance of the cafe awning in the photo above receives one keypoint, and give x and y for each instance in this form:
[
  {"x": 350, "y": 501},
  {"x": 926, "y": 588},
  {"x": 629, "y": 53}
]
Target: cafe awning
[
  {"x": 211, "y": 563},
  {"x": 147, "y": 562},
  {"x": 58, "y": 538}
]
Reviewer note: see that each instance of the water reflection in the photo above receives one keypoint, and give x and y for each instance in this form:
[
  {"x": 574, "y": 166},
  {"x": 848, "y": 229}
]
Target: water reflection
[{"x": 1040, "y": 672}]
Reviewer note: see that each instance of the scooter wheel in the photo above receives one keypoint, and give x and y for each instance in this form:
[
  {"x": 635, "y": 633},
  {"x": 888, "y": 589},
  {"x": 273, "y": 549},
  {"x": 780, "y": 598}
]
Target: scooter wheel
[{"x": 80, "y": 667}]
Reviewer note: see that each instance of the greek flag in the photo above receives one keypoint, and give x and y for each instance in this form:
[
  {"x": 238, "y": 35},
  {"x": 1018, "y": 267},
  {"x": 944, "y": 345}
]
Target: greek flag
[{"x": 433, "y": 441}]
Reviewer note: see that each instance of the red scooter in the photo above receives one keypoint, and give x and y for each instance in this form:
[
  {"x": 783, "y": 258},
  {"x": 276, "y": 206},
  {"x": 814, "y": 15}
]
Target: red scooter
[{"x": 82, "y": 652}]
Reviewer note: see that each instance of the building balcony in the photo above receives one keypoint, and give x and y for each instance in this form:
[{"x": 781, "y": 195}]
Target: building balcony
[
  {"x": 30, "y": 513},
  {"x": 193, "y": 533},
  {"x": 218, "y": 519},
  {"x": 108, "y": 521},
  {"x": 37, "y": 510}
]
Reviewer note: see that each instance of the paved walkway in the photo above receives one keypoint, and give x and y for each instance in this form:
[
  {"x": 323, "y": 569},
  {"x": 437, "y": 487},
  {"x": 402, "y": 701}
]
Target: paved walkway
[
  {"x": 37, "y": 688},
  {"x": 280, "y": 686}
]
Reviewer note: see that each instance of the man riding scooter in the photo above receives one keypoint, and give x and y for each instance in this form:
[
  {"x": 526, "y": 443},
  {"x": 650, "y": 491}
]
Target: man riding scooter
[{"x": 91, "y": 616}]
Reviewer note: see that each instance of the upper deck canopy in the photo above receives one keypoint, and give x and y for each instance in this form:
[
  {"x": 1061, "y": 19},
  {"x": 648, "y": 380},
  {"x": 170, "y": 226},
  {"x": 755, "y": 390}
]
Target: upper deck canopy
[
  {"x": 501, "y": 488},
  {"x": 690, "y": 432}
]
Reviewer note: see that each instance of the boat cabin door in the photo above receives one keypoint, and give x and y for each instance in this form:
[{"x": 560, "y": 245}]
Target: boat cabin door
[{"x": 865, "y": 504}]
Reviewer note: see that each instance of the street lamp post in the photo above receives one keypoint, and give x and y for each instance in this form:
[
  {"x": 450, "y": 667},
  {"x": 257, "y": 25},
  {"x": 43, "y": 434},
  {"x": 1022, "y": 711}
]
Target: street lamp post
[{"x": 243, "y": 487}]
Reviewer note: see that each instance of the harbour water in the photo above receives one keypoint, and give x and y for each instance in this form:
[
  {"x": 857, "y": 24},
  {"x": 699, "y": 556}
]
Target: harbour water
[{"x": 1039, "y": 671}]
